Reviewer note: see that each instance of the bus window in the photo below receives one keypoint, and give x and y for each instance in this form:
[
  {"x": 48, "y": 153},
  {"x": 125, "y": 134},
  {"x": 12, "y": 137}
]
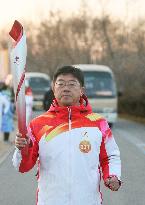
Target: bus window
[
  {"x": 39, "y": 83},
  {"x": 99, "y": 84}
]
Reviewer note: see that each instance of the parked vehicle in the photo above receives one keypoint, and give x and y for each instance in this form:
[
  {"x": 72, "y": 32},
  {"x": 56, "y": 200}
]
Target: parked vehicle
[
  {"x": 39, "y": 83},
  {"x": 101, "y": 90}
]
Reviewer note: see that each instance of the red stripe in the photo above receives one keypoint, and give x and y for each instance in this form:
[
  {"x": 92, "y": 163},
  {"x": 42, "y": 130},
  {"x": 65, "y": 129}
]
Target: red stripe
[
  {"x": 16, "y": 31},
  {"x": 37, "y": 192},
  {"x": 37, "y": 180},
  {"x": 104, "y": 160},
  {"x": 20, "y": 84},
  {"x": 101, "y": 196}
]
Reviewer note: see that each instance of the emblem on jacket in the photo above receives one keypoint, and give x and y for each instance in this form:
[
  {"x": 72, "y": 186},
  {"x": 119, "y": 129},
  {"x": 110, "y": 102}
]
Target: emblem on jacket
[{"x": 85, "y": 145}]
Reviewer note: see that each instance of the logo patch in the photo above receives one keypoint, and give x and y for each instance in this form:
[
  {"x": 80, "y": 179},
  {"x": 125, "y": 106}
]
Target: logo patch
[{"x": 85, "y": 146}]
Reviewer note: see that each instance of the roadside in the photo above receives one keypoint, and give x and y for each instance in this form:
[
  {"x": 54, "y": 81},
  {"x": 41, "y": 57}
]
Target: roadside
[{"x": 132, "y": 118}]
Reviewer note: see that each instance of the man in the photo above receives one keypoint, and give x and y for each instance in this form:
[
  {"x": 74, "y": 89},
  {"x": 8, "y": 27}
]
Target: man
[
  {"x": 73, "y": 145},
  {"x": 7, "y": 125},
  {"x": 4, "y": 104}
]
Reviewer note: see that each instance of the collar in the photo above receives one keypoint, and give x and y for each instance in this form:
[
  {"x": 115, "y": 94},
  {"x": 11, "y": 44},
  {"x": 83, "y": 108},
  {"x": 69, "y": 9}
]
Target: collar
[{"x": 84, "y": 106}]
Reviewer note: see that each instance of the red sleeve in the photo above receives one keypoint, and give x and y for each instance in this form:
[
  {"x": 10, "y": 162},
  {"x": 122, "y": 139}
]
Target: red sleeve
[
  {"x": 29, "y": 160},
  {"x": 109, "y": 153}
]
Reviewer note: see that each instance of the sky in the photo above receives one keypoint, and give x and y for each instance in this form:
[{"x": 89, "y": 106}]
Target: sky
[{"x": 36, "y": 10}]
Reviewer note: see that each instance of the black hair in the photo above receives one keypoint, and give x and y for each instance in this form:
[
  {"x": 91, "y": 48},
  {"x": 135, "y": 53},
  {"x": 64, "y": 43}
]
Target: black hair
[{"x": 76, "y": 72}]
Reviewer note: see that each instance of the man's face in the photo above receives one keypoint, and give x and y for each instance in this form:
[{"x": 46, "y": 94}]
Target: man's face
[{"x": 67, "y": 90}]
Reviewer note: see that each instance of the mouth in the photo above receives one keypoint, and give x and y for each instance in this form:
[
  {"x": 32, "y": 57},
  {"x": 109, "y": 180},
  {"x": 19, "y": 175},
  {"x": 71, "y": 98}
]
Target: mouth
[{"x": 65, "y": 96}]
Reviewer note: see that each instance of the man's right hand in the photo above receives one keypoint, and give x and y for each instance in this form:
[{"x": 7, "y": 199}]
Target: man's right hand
[{"x": 21, "y": 142}]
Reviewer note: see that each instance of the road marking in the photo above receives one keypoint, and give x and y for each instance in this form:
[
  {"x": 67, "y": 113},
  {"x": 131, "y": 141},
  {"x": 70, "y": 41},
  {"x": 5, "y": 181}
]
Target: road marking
[{"x": 141, "y": 145}]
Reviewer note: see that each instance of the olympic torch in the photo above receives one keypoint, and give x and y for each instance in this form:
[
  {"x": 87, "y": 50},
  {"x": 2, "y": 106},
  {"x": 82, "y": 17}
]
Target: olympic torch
[{"x": 18, "y": 64}]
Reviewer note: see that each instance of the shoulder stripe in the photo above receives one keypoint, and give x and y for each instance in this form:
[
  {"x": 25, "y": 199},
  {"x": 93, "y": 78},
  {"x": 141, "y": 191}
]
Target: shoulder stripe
[{"x": 94, "y": 116}]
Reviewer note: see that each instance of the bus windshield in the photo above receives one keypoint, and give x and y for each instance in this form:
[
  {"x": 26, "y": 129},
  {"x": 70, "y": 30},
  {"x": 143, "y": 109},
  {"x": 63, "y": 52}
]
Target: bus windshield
[
  {"x": 99, "y": 84},
  {"x": 39, "y": 83}
]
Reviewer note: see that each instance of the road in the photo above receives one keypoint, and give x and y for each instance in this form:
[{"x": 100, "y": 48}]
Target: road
[
  {"x": 18, "y": 189},
  {"x": 130, "y": 137}
]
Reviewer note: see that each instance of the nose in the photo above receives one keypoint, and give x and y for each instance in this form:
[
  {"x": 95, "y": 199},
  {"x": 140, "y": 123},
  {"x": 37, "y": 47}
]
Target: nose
[{"x": 66, "y": 89}]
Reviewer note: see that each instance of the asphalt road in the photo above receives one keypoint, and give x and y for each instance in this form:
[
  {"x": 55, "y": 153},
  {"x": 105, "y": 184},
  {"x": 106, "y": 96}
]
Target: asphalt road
[
  {"x": 130, "y": 137},
  {"x": 19, "y": 189}
]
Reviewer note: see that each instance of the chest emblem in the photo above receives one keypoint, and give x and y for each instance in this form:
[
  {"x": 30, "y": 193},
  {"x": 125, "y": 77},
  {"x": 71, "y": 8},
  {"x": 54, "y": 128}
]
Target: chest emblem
[{"x": 85, "y": 146}]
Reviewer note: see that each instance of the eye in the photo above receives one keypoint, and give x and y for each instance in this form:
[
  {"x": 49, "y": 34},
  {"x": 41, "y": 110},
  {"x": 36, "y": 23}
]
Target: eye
[
  {"x": 60, "y": 83},
  {"x": 72, "y": 84}
]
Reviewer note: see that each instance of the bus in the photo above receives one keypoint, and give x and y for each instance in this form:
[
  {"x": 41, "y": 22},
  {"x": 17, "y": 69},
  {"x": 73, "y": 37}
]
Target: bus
[
  {"x": 100, "y": 88},
  {"x": 39, "y": 83}
]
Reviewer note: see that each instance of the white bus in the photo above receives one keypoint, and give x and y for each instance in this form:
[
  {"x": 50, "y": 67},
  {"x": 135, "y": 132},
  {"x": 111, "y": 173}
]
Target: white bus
[
  {"x": 39, "y": 83},
  {"x": 101, "y": 90}
]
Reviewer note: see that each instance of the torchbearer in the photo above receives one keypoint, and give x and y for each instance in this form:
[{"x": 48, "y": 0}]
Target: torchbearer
[
  {"x": 73, "y": 146},
  {"x": 18, "y": 64}
]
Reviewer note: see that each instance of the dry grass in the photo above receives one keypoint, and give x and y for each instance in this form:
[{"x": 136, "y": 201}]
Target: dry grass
[{"x": 133, "y": 118}]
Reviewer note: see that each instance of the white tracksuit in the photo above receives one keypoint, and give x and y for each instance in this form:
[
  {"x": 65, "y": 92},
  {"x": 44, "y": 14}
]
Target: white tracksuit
[{"x": 73, "y": 145}]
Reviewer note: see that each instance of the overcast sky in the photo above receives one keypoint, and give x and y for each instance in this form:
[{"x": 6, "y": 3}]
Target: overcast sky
[{"x": 35, "y": 10}]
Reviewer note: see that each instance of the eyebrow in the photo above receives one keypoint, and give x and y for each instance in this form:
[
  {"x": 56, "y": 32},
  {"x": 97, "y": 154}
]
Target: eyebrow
[{"x": 66, "y": 81}]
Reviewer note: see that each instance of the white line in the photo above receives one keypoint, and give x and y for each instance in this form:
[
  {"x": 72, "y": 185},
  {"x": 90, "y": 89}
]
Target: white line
[{"x": 141, "y": 145}]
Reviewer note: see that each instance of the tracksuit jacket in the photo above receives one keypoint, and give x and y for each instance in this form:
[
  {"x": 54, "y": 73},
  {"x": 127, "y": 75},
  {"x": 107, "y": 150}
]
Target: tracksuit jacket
[{"x": 73, "y": 147}]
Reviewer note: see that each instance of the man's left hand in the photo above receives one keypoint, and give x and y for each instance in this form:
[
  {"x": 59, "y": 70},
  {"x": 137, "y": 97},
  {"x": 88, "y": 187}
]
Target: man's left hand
[{"x": 113, "y": 183}]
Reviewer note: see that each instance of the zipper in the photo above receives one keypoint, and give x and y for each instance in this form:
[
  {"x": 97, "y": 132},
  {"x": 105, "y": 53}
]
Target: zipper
[
  {"x": 69, "y": 118},
  {"x": 70, "y": 156}
]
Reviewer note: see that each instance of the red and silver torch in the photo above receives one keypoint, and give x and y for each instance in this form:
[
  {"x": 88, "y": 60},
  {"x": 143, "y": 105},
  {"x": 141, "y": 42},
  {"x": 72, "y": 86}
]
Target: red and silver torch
[{"x": 18, "y": 64}]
